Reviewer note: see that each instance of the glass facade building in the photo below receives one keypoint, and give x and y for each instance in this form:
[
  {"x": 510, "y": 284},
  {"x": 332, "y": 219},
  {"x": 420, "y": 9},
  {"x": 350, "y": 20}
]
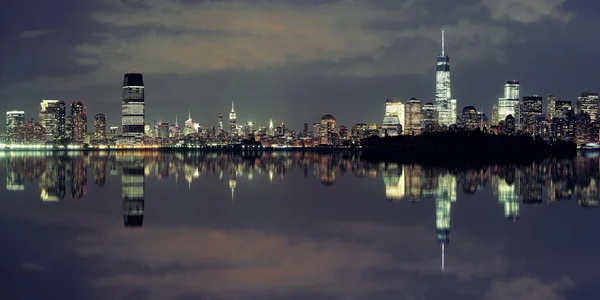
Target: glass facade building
[
  {"x": 393, "y": 121},
  {"x": 588, "y": 103},
  {"x": 446, "y": 106},
  {"x": 413, "y": 117},
  {"x": 14, "y": 119},
  {"x": 133, "y": 108}
]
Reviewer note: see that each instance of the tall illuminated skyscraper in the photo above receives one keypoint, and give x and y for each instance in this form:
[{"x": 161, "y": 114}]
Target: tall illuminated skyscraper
[
  {"x": 79, "y": 116},
  {"x": 133, "y": 109},
  {"x": 14, "y": 119},
  {"x": 429, "y": 117},
  {"x": 531, "y": 111},
  {"x": 551, "y": 100},
  {"x": 221, "y": 122},
  {"x": 509, "y": 104},
  {"x": 52, "y": 118},
  {"x": 413, "y": 117},
  {"x": 393, "y": 121},
  {"x": 100, "y": 127},
  {"x": 232, "y": 120},
  {"x": 446, "y": 106},
  {"x": 588, "y": 103}
]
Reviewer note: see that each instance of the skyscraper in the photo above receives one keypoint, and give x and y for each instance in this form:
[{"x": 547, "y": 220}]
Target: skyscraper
[
  {"x": 531, "y": 111},
  {"x": 133, "y": 109},
  {"x": 61, "y": 122},
  {"x": 221, "y": 122},
  {"x": 188, "y": 125},
  {"x": 413, "y": 117},
  {"x": 100, "y": 127},
  {"x": 446, "y": 106},
  {"x": 551, "y": 105},
  {"x": 232, "y": 120},
  {"x": 469, "y": 118},
  {"x": 495, "y": 118},
  {"x": 79, "y": 116},
  {"x": 14, "y": 119},
  {"x": 561, "y": 109},
  {"x": 429, "y": 117},
  {"x": 52, "y": 118},
  {"x": 588, "y": 103},
  {"x": 328, "y": 130},
  {"x": 509, "y": 104},
  {"x": 393, "y": 121}
]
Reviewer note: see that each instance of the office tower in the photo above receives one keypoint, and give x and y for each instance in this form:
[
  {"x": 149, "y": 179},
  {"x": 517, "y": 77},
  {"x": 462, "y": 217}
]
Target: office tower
[
  {"x": 132, "y": 190},
  {"x": 29, "y": 132},
  {"x": 561, "y": 109},
  {"x": 393, "y": 121},
  {"x": 52, "y": 118},
  {"x": 14, "y": 119},
  {"x": 69, "y": 127},
  {"x": 133, "y": 109},
  {"x": 531, "y": 110},
  {"x": 510, "y": 125},
  {"x": 79, "y": 115},
  {"x": 429, "y": 117},
  {"x": 188, "y": 125},
  {"x": 588, "y": 103},
  {"x": 305, "y": 130},
  {"x": 509, "y": 104},
  {"x": 446, "y": 106},
  {"x": 469, "y": 118},
  {"x": 495, "y": 118},
  {"x": 162, "y": 130},
  {"x": 482, "y": 120},
  {"x": 413, "y": 117},
  {"x": 221, "y": 122},
  {"x": 328, "y": 130},
  {"x": 232, "y": 120},
  {"x": 100, "y": 127},
  {"x": 551, "y": 105}
]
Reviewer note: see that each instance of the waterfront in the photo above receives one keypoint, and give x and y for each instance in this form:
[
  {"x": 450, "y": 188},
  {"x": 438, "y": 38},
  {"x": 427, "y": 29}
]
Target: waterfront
[{"x": 293, "y": 225}]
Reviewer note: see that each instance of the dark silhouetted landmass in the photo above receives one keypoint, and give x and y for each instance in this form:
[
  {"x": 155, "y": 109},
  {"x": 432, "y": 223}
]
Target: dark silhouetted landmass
[{"x": 463, "y": 147}]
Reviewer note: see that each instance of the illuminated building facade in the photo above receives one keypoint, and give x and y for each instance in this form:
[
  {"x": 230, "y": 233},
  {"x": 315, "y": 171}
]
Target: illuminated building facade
[
  {"x": 469, "y": 118},
  {"x": 495, "y": 118},
  {"x": 393, "y": 121},
  {"x": 429, "y": 117},
  {"x": 562, "y": 109},
  {"x": 188, "y": 125},
  {"x": 220, "y": 122},
  {"x": 52, "y": 118},
  {"x": 413, "y": 117},
  {"x": 133, "y": 109},
  {"x": 588, "y": 103},
  {"x": 14, "y": 119},
  {"x": 327, "y": 130},
  {"x": 531, "y": 110},
  {"x": 232, "y": 120},
  {"x": 79, "y": 117},
  {"x": 551, "y": 105},
  {"x": 509, "y": 104},
  {"x": 100, "y": 127},
  {"x": 29, "y": 133},
  {"x": 162, "y": 130},
  {"x": 446, "y": 106}
]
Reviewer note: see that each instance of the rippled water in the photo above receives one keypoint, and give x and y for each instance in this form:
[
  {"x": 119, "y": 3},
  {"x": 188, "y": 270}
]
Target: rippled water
[{"x": 152, "y": 225}]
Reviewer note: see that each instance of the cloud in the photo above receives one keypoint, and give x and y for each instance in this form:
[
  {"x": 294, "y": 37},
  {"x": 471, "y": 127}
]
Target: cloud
[
  {"x": 31, "y": 266},
  {"x": 528, "y": 288},
  {"x": 30, "y": 34},
  {"x": 529, "y": 11}
]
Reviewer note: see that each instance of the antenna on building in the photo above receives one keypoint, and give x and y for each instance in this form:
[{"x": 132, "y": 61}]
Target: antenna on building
[
  {"x": 443, "y": 43},
  {"x": 232, "y": 106},
  {"x": 189, "y": 114}
]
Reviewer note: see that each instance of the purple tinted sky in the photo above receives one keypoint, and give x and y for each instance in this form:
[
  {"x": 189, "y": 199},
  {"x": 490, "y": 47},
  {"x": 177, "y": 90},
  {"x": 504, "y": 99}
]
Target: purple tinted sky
[{"x": 289, "y": 60}]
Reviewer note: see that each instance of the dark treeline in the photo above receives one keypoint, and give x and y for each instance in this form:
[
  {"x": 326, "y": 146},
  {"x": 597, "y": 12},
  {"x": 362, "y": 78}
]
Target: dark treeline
[{"x": 461, "y": 147}]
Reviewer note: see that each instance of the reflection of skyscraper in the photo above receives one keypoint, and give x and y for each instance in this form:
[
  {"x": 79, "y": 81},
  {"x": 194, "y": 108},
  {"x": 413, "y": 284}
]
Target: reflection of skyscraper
[
  {"x": 507, "y": 196},
  {"x": 393, "y": 179},
  {"x": 53, "y": 180},
  {"x": 132, "y": 190},
  {"x": 446, "y": 194},
  {"x": 79, "y": 177}
]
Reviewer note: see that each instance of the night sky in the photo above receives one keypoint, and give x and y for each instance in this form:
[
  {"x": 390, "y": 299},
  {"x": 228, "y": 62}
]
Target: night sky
[{"x": 289, "y": 60}]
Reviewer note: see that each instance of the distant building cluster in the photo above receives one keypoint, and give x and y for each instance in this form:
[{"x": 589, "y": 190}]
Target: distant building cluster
[{"x": 511, "y": 115}]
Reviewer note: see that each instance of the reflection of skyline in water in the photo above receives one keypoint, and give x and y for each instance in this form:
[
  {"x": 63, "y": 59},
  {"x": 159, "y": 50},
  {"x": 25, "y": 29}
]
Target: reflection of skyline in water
[{"x": 64, "y": 175}]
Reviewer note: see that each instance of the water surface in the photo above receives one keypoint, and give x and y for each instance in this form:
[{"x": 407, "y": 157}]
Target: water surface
[{"x": 152, "y": 225}]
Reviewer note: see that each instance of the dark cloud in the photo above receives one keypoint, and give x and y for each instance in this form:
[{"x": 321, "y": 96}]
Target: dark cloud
[{"x": 288, "y": 60}]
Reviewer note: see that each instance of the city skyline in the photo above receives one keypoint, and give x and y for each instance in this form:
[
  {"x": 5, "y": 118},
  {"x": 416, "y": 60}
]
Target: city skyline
[{"x": 276, "y": 86}]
